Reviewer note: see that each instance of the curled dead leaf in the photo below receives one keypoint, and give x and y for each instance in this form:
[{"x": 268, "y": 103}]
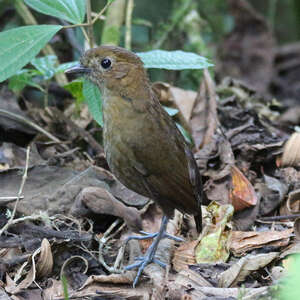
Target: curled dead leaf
[
  {"x": 45, "y": 262},
  {"x": 242, "y": 194},
  {"x": 162, "y": 91},
  {"x": 291, "y": 151},
  {"x": 74, "y": 263},
  {"x": 246, "y": 265},
  {"x": 293, "y": 202},
  {"x": 29, "y": 278}
]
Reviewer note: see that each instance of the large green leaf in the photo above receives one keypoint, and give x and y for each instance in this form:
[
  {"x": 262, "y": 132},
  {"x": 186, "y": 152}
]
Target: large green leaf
[
  {"x": 93, "y": 98},
  {"x": 173, "y": 60},
  {"x": 69, "y": 10},
  {"x": 20, "y": 45}
]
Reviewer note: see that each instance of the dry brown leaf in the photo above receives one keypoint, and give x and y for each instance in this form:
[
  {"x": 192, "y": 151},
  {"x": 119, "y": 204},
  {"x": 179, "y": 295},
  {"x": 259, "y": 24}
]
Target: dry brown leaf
[
  {"x": 184, "y": 256},
  {"x": 242, "y": 194},
  {"x": 162, "y": 90},
  {"x": 126, "y": 278},
  {"x": 100, "y": 201},
  {"x": 55, "y": 291},
  {"x": 291, "y": 151},
  {"x": 245, "y": 266},
  {"x": 27, "y": 281},
  {"x": 297, "y": 228},
  {"x": 199, "y": 288},
  {"x": 293, "y": 201},
  {"x": 204, "y": 119},
  {"x": 184, "y": 101},
  {"x": 243, "y": 241},
  {"x": 44, "y": 264},
  {"x": 291, "y": 249}
]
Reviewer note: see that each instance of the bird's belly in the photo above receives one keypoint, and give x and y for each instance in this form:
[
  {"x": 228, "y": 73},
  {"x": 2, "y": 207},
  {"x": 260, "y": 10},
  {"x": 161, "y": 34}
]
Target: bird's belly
[{"x": 122, "y": 163}]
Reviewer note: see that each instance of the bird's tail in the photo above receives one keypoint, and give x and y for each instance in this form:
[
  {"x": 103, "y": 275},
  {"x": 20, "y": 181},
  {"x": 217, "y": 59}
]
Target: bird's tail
[{"x": 198, "y": 221}]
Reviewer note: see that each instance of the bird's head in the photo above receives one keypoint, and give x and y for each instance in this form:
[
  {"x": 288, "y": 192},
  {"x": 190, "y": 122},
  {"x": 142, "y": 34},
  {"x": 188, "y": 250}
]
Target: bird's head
[{"x": 112, "y": 67}]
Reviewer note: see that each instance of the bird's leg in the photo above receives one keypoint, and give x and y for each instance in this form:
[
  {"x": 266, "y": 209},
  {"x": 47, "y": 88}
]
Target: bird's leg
[{"x": 149, "y": 256}]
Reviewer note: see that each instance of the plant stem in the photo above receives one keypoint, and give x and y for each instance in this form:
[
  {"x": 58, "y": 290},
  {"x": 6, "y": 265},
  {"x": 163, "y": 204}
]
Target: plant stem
[
  {"x": 178, "y": 13},
  {"x": 90, "y": 31},
  {"x": 129, "y": 10},
  {"x": 272, "y": 12},
  {"x": 113, "y": 23}
]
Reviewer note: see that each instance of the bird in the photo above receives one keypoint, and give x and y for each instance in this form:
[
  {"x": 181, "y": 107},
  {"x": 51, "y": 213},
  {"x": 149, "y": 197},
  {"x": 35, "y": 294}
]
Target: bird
[{"x": 143, "y": 147}]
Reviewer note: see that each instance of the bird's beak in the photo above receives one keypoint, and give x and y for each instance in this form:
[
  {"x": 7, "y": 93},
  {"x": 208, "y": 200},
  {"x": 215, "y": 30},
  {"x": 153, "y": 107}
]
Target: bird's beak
[{"x": 78, "y": 69}]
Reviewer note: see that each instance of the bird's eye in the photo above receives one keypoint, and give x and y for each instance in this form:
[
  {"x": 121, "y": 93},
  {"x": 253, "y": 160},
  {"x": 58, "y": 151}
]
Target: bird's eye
[{"x": 105, "y": 63}]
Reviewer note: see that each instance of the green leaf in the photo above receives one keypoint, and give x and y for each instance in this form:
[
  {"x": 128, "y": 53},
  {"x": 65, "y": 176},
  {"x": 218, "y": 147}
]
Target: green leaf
[
  {"x": 46, "y": 65},
  {"x": 65, "y": 66},
  {"x": 173, "y": 60},
  {"x": 171, "y": 111},
  {"x": 72, "y": 11},
  {"x": 20, "y": 45},
  {"x": 75, "y": 87},
  {"x": 93, "y": 98},
  {"x": 23, "y": 78},
  {"x": 185, "y": 134},
  {"x": 290, "y": 288}
]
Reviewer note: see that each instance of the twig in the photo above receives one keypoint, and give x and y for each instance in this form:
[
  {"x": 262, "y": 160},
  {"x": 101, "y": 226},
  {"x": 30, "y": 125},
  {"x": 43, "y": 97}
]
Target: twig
[
  {"x": 279, "y": 218},
  {"x": 128, "y": 21},
  {"x": 80, "y": 131},
  {"x": 24, "y": 177},
  {"x": 94, "y": 20},
  {"x": 90, "y": 31},
  {"x": 103, "y": 240},
  {"x": 6, "y": 200},
  {"x": 30, "y": 123},
  {"x": 102, "y": 11},
  {"x": 177, "y": 16}
]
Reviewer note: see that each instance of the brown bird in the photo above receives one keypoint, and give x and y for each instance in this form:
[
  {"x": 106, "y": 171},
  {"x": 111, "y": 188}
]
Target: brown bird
[{"x": 143, "y": 147}]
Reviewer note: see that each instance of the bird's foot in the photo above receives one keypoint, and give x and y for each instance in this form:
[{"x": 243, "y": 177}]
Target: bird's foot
[{"x": 149, "y": 257}]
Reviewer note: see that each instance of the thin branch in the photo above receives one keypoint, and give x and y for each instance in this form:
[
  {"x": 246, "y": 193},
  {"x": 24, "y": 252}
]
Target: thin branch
[
  {"x": 24, "y": 177},
  {"x": 128, "y": 21},
  {"x": 5, "y": 200},
  {"x": 90, "y": 31},
  {"x": 102, "y": 11},
  {"x": 30, "y": 123},
  {"x": 97, "y": 16},
  {"x": 85, "y": 34},
  {"x": 279, "y": 218},
  {"x": 76, "y": 25},
  {"x": 103, "y": 241}
]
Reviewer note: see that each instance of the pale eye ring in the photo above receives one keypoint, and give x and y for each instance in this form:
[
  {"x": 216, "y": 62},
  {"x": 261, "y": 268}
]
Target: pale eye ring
[{"x": 105, "y": 63}]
